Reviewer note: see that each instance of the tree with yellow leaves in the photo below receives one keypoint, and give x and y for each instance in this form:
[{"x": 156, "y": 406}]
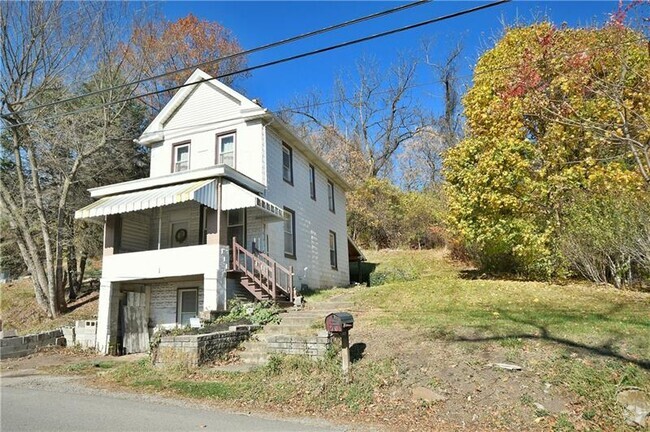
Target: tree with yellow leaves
[{"x": 551, "y": 112}]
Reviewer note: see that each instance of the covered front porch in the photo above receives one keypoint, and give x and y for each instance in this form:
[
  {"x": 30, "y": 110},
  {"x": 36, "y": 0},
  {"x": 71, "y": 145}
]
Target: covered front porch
[{"x": 170, "y": 235}]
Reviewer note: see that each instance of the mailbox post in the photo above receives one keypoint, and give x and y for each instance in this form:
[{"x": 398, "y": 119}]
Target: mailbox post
[{"x": 339, "y": 324}]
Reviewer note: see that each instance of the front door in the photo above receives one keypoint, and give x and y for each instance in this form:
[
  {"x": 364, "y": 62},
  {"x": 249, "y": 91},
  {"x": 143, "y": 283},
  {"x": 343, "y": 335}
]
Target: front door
[
  {"x": 237, "y": 226},
  {"x": 188, "y": 305},
  {"x": 180, "y": 231}
]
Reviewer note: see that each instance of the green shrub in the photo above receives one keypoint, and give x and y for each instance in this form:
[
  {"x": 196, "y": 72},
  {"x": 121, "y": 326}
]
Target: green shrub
[
  {"x": 387, "y": 275},
  {"x": 263, "y": 312}
]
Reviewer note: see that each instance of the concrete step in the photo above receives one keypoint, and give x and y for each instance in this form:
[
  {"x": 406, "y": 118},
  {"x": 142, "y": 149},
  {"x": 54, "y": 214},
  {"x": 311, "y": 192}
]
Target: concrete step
[
  {"x": 305, "y": 321},
  {"x": 329, "y": 306},
  {"x": 290, "y": 328}
]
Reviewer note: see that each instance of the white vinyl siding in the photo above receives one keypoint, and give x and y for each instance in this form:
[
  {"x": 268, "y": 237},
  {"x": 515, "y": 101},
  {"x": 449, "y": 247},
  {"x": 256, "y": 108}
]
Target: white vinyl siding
[{"x": 313, "y": 220}]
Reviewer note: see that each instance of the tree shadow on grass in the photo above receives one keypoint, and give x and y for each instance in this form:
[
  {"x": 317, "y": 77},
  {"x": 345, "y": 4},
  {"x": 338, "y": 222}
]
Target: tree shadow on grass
[
  {"x": 606, "y": 349},
  {"x": 81, "y": 301}
]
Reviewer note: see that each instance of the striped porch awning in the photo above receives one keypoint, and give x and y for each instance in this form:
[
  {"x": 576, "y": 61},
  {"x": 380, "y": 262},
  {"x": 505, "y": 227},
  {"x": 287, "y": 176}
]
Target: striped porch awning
[
  {"x": 204, "y": 192},
  {"x": 236, "y": 197}
]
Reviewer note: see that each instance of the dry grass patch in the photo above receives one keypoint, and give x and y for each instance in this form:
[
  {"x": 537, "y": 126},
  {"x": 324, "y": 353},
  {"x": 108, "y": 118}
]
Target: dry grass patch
[{"x": 19, "y": 310}]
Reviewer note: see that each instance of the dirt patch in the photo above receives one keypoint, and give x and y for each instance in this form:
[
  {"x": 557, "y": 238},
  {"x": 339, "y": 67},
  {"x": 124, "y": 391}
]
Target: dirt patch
[
  {"x": 470, "y": 391},
  {"x": 51, "y": 357}
]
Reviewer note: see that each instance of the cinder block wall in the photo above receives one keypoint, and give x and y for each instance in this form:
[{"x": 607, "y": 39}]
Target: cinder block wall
[
  {"x": 195, "y": 350},
  {"x": 312, "y": 346},
  {"x": 21, "y": 346}
]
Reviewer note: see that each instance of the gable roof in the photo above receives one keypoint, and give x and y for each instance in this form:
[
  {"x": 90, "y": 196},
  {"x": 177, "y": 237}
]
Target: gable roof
[
  {"x": 248, "y": 109},
  {"x": 153, "y": 132}
]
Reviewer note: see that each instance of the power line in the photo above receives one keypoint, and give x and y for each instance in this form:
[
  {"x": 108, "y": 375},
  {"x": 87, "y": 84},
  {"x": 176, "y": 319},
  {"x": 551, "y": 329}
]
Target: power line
[
  {"x": 232, "y": 56},
  {"x": 279, "y": 61},
  {"x": 464, "y": 76},
  {"x": 415, "y": 85}
]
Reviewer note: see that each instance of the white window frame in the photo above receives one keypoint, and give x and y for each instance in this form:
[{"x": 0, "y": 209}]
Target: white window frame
[
  {"x": 287, "y": 170},
  {"x": 179, "y": 297},
  {"x": 220, "y": 154},
  {"x": 175, "y": 156}
]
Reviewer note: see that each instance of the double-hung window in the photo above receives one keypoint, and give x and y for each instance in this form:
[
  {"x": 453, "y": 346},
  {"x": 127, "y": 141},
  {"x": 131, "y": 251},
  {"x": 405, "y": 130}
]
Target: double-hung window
[
  {"x": 226, "y": 149},
  {"x": 181, "y": 157},
  {"x": 312, "y": 182},
  {"x": 333, "y": 257},
  {"x": 290, "y": 233},
  {"x": 330, "y": 196},
  {"x": 287, "y": 164}
]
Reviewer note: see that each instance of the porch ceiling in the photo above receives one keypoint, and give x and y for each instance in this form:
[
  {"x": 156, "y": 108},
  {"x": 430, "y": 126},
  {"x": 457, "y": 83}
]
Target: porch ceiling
[
  {"x": 204, "y": 192},
  {"x": 236, "y": 197}
]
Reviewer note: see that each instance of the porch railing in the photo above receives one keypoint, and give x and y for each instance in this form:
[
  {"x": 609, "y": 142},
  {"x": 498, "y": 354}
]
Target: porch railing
[{"x": 264, "y": 272}]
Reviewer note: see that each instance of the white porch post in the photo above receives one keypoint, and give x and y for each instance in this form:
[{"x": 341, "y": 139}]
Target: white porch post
[
  {"x": 159, "y": 226},
  {"x": 106, "y": 315}
]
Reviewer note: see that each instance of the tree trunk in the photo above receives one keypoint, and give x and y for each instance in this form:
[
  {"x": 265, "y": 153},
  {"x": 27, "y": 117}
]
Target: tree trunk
[
  {"x": 82, "y": 270},
  {"x": 72, "y": 273}
]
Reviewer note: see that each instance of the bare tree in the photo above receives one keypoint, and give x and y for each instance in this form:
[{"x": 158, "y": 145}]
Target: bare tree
[
  {"x": 371, "y": 117},
  {"x": 421, "y": 160},
  {"x": 48, "y": 48}
]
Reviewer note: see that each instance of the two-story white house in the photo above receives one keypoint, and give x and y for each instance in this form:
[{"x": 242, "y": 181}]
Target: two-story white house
[{"x": 235, "y": 204}]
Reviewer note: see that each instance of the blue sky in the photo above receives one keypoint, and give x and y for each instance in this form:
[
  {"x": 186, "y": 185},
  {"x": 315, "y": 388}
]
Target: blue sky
[{"x": 257, "y": 23}]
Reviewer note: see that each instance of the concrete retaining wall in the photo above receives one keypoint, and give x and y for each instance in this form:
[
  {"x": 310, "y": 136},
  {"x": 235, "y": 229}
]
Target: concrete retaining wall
[
  {"x": 21, "y": 346},
  {"x": 312, "y": 346},
  {"x": 195, "y": 350}
]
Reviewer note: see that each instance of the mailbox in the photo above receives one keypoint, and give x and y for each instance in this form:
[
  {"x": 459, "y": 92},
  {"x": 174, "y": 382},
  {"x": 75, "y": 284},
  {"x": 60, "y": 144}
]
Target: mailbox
[{"x": 339, "y": 322}]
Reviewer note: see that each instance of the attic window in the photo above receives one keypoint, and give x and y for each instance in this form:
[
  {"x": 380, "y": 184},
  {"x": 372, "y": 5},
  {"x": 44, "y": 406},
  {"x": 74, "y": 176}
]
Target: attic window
[{"x": 181, "y": 157}]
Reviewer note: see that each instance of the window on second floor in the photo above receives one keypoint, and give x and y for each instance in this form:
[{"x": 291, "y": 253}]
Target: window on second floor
[
  {"x": 226, "y": 149},
  {"x": 290, "y": 233},
  {"x": 181, "y": 157},
  {"x": 330, "y": 196},
  {"x": 333, "y": 251},
  {"x": 287, "y": 164},
  {"x": 312, "y": 182}
]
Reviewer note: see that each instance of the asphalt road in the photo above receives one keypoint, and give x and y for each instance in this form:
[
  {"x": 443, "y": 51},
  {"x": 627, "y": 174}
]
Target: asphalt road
[{"x": 47, "y": 403}]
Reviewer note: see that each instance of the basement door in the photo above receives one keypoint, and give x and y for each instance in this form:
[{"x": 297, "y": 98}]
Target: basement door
[{"x": 136, "y": 333}]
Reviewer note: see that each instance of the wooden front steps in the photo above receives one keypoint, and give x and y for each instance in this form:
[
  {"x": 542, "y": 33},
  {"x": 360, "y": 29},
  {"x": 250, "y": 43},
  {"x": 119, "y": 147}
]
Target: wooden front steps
[{"x": 262, "y": 276}]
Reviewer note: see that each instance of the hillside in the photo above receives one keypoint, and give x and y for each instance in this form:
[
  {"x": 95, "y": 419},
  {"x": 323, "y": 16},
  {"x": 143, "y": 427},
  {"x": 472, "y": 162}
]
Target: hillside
[
  {"x": 426, "y": 350},
  {"x": 19, "y": 310}
]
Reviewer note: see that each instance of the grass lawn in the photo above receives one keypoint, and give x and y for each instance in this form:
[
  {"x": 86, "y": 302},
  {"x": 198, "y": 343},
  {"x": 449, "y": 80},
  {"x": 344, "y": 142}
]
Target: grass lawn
[
  {"x": 442, "y": 299},
  {"x": 431, "y": 325}
]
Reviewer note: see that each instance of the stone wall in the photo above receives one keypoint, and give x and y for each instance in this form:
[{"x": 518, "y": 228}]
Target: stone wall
[
  {"x": 21, "y": 346},
  {"x": 312, "y": 346},
  {"x": 195, "y": 350}
]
